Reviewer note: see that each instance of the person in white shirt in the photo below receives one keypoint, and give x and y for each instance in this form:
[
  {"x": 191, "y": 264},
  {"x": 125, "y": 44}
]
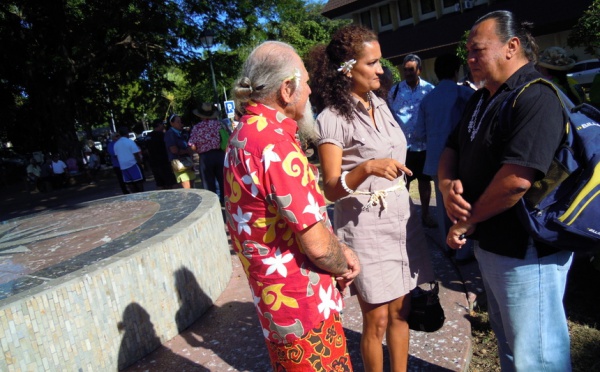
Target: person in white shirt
[
  {"x": 129, "y": 156},
  {"x": 59, "y": 172}
]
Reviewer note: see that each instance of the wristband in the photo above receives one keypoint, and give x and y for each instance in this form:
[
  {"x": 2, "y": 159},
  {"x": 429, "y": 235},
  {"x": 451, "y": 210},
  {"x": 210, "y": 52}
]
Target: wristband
[{"x": 344, "y": 185}]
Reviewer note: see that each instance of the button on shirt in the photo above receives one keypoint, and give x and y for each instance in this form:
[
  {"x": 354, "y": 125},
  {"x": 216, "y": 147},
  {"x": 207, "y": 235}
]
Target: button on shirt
[{"x": 405, "y": 108}]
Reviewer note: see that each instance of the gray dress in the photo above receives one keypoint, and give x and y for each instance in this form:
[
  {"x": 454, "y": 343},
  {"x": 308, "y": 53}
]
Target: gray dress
[{"x": 390, "y": 244}]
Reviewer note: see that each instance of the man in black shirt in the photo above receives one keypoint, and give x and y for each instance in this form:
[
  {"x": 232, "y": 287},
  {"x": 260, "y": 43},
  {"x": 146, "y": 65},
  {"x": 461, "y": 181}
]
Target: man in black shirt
[
  {"x": 158, "y": 159},
  {"x": 487, "y": 166}
]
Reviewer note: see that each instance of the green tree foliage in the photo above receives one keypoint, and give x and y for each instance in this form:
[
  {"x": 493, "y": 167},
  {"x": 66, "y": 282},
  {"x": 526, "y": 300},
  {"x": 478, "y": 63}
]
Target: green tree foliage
[
  {"x": 461, "y": 48},
  {"x": 68, "y": 59},
  {"x": 586, "y": 32},
  {"x": 71, "y": 65}
]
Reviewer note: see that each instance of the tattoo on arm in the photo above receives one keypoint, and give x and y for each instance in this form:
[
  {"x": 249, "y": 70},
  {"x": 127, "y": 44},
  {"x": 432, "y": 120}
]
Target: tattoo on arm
[{"x": 333, "y": 260}]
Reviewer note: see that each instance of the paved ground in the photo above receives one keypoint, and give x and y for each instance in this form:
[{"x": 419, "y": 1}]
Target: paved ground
[{"x": 228, "y": 337}]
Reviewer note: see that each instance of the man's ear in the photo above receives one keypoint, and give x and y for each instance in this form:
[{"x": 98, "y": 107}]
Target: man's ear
[
  {"x": 286, "y": 91},
  {"x": 512, "y": 47}
]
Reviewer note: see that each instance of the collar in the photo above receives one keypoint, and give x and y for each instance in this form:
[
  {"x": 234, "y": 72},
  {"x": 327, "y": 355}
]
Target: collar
[
  {"x": 524, "y": 74},
  {"x": 376, "y": 101},
  {"x": 273, "y": 116}
]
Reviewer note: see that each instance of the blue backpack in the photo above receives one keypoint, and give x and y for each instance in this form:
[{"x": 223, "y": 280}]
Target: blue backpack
[{"x": 563, "y": 208}]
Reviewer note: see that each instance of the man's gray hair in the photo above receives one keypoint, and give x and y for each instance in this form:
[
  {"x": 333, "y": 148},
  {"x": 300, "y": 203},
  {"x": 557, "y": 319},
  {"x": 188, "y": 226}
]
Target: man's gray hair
[{"x": 266, "y": 68}]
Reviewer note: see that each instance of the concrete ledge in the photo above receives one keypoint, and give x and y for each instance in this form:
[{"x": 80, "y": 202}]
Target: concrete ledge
[{"x": 116, "y": 308}]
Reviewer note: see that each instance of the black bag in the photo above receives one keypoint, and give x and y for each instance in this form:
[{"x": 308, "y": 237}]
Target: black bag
[{"x": 426, "y": 313}]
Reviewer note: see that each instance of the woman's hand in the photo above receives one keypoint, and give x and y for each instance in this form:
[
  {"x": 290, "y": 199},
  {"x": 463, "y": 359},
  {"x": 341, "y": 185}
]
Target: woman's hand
[{"x": 386, "y": 168}]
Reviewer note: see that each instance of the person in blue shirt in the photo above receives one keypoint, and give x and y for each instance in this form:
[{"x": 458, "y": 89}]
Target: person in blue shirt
[
  {"x": 115, "y": 162},
  {"x": 439, "y": 113},
  {"x": 404, "y": 100}
]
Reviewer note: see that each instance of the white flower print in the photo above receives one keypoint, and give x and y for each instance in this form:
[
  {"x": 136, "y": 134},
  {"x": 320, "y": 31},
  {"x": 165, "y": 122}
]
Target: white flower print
[
  {"x": 277, "y": 263},
  {"x": 327, "y": 303},
  {"x": 313, "y": 207},
  {"x": 242, "y": 220},
  {"x": 269, "y": 155}
]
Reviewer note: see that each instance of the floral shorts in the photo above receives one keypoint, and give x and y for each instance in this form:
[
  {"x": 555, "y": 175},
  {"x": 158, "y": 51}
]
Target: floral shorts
[{"x": 321, "y": 349}]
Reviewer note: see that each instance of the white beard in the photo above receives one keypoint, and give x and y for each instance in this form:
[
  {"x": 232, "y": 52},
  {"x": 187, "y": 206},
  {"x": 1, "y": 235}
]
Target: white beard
[{"x": 306, "y": 125}]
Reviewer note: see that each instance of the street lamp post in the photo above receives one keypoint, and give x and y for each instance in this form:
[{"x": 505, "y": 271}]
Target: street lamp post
[{"x": 207, "y": 38}]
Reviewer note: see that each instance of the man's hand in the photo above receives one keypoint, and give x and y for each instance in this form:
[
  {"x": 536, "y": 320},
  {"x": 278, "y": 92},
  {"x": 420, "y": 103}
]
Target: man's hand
[
  {"x": 457, "y": 208},
  {"x": 347, "y": 278},
  {"x": 457, "y": 234},
  {"x": 328, "y": 253}
]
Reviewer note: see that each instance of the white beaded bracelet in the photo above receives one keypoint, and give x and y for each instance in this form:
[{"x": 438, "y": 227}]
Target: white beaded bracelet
[{"x": 344, "y": 185}]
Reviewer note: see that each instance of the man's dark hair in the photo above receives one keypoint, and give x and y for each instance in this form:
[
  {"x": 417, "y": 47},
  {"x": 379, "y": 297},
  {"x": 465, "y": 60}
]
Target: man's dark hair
[
  {"x": 412, "y": 58},
  {"x": 446, "y": 66},
  {"x": 507, "y": 26},
  {"x": 124, "y": 132},
  {"x": 156, "y": 123}
]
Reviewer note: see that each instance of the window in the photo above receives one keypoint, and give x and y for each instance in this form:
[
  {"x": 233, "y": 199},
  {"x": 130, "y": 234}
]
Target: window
[
  {"x": 427, "y": 6},
  {"x": 405, "y": 9},
  {"x": 365, "y": 19},
  {"x": 450, "y": 3},
  {"x": 385, "y": 18}
]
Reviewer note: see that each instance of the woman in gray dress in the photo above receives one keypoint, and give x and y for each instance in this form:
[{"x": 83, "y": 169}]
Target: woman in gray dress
[{"x": 362, "y": 151}]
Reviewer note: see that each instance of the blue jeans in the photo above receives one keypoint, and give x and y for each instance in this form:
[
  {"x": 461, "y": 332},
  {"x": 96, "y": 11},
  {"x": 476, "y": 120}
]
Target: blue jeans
[{"x": 525, "y": 307}]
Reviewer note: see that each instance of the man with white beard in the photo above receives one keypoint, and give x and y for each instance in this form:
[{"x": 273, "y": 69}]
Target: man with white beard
[{"x": 277, "y": 217}]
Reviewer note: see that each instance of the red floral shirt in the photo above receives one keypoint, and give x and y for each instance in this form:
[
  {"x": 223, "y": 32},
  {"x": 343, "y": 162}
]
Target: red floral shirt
[
  {"x": 205, "y": 136},
  {"x": 272, "y": 193}
]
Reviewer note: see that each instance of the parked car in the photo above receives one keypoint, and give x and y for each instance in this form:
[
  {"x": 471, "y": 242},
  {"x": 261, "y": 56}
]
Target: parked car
[
  {"x": 584, "y": 72},
  {"x": 12, "y": 166},
  {"x": 146, "y": 132}
]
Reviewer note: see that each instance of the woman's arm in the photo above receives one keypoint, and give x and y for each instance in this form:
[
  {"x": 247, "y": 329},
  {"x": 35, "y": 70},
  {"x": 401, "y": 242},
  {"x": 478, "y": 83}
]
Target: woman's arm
[{"x": 331, "y": 164}]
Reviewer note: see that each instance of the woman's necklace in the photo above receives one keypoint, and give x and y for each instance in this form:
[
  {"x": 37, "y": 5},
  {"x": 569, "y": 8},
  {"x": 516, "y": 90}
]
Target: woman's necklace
[{"x": 370, "y": 102}]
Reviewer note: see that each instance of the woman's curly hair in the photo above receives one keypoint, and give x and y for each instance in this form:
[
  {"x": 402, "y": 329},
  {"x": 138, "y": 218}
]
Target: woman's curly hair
[{"x": 330, "y": 87}]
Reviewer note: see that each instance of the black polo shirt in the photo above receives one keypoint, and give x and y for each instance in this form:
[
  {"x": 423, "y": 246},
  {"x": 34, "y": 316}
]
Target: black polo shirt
[{"x": 484, "y": 143}]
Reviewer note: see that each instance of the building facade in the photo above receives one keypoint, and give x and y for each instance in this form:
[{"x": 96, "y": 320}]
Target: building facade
[{"x": 430, "y": 28}]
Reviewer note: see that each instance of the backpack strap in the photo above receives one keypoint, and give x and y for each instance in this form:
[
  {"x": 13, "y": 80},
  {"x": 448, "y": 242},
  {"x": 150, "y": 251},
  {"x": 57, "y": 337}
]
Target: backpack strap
[
  {"x": 396, "y": 91},
  {"x": 512, "y": 98}
]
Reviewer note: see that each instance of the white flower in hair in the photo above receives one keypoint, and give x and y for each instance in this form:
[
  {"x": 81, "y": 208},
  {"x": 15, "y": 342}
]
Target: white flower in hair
[{"x": 347, "y": 66}]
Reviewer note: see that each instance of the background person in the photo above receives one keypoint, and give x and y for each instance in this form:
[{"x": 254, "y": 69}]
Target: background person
[
  {"x": 177, "y": 148},
  {"x": 110, "y": 148},
  {"x": 158, "y": 157},
  {"x": 405, "y": 98},
  {"x": 362, "y": 151},
  {"x": 59, "y": 172},
  {"x": 554, "y": 64},
  {"x": 130, "y": 160},
  {"x": 206, "y": 141},
  {"x": 34, "y": 173},
  {"x": 277, "y": 218},
  {"x": 439, "y": 113}
]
